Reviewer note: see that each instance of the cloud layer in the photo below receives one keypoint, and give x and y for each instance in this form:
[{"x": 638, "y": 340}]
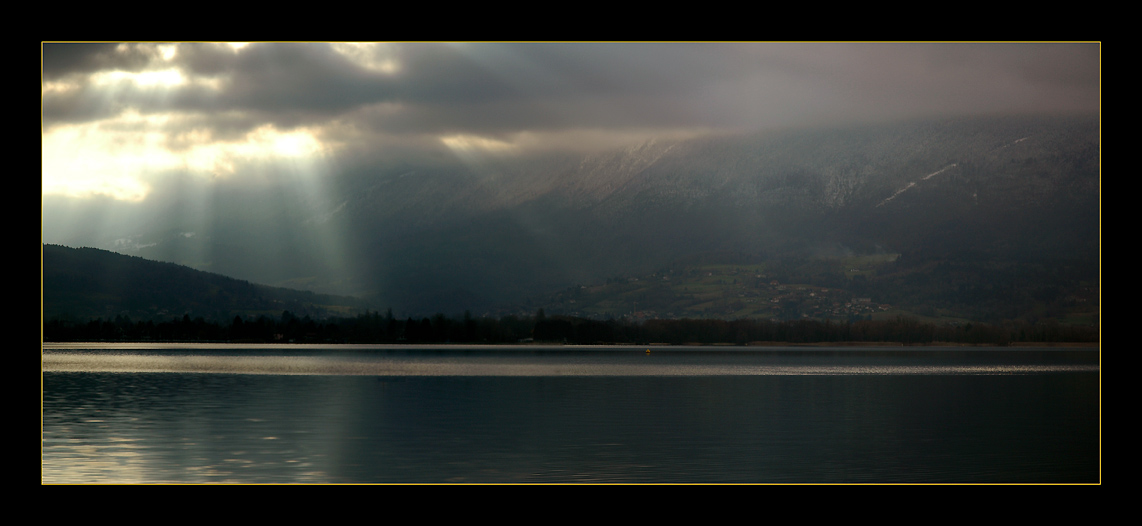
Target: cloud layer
[{"x": 118, "y": 117}]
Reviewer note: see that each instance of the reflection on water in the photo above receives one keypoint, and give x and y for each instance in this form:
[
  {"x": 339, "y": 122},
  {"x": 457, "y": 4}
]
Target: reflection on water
[{"x": 561, "y": 422}]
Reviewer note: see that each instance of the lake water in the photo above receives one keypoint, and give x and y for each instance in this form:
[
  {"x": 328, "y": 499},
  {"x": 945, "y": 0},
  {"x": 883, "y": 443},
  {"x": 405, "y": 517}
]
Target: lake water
[{"x": 132, "y": 413}]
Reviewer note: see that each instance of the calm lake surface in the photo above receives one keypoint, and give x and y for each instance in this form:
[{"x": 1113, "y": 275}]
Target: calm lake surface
[{"x": 133, "y": 413}]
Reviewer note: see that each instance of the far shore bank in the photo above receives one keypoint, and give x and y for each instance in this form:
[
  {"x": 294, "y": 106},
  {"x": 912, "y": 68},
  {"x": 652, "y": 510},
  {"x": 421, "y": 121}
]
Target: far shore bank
[{"x": 311, "y": 345}]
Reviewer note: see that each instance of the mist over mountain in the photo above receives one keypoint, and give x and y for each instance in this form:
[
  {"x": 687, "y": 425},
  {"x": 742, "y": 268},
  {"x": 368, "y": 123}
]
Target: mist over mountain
[{"x": 1011, "y": 201}]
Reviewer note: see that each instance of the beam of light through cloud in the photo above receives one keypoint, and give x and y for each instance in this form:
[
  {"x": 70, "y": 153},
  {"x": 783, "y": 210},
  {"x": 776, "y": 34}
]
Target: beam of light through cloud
[
  {"x": 120, "y": 157},
  {"x": 159, "y": 149},
  {"x": 467, "y": 144}
]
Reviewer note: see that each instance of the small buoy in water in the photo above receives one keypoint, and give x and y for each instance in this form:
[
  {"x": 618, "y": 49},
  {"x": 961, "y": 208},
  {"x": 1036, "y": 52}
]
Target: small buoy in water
[{"x": 648, "y": 351}]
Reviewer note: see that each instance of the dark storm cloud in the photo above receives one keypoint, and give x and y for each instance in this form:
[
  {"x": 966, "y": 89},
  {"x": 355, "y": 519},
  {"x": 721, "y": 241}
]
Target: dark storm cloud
[
  {"x": 61, "y": 60},
  {"x": 314, "y": 81},
  {"x": 505, "y": 88},
  {"x": 283, "y": 82},
  {"x": 297, "y": 77},
  {"x": 549, "y": 86},
  {"x": 566, "y": 72},
  {"x": 207, "y": 59}
]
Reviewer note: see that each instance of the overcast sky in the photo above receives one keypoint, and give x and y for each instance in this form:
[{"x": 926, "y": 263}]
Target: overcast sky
[{"x": 118, "y": 118}]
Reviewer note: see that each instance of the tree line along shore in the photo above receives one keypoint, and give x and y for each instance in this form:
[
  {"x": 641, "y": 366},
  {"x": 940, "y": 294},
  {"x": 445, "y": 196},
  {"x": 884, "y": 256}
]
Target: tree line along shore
[{"x": 374, "y": 327}]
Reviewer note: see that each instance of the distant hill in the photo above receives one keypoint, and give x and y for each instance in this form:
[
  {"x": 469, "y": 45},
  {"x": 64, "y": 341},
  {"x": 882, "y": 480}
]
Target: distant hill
[{"x": 87, "y": 283}]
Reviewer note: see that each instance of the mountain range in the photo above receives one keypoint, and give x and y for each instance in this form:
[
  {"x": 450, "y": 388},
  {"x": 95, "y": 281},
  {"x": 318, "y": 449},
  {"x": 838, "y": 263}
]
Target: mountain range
[{"x": 985, "y": 218}]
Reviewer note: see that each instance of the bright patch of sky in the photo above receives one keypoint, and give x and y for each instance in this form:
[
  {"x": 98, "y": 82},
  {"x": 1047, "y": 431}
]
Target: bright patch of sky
[
  {"x": 165, "y": 77},
  {"x": 119, "y": 157},
  {"x": 371, "y": 56},
  {"x": 473, "y": 143}
]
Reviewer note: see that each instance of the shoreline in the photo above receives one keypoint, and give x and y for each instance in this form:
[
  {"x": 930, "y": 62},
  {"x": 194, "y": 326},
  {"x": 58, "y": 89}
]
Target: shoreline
[{"x": 64, "y": 346}]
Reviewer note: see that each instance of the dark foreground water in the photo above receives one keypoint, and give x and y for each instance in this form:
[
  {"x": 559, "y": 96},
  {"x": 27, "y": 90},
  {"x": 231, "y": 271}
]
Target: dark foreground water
[{"x": 224, "y": 414}]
